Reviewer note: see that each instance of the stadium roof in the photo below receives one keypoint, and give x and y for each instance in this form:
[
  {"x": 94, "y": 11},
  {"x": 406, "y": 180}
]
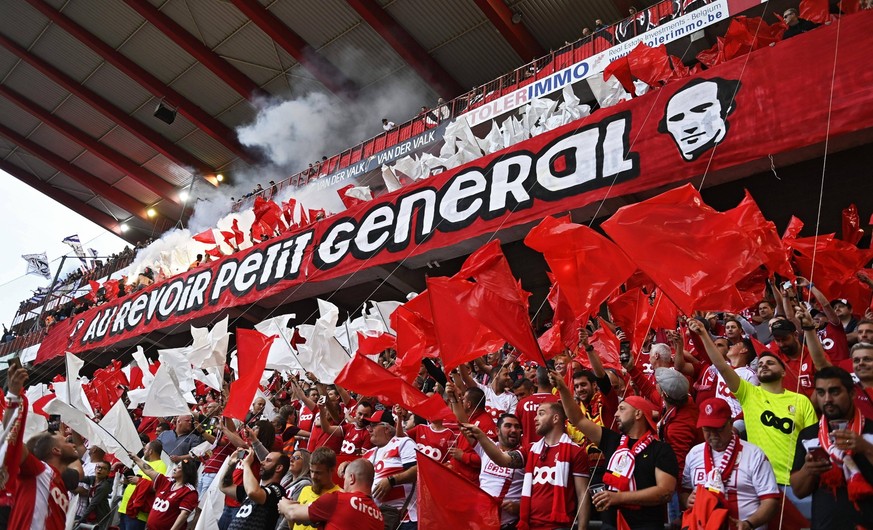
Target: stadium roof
[{"x": 80, "y": 80}]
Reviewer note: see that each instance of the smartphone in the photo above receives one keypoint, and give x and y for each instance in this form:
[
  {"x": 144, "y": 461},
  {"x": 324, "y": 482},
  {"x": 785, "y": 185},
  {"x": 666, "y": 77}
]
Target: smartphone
[
  {"x": 241, "y": 454},
  {"x": 787, "y": 284},
  {"x": 818, "y": 453},
  {"x": 16, "y": 362},
  {"x": 624, "y": 356},
  {"x": 54, "y": 423}
]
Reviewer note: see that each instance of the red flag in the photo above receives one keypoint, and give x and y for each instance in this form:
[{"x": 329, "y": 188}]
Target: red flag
[
  {"x": 712, "y": 56},
  {"x": 705, "y": 514},
  {"x": 110, "y": 290},
  {"x": 565, "y": 325},
  {"x": 850, "y": 6},
  {"x": 348, "y": 202},
  {"x": 367, "y": 378},
  {"x": 771, "y": 251},
  {"x": 631, "y": 311},
  {"x": 852, "y": 231},
  {"x": 496, "y": 300},
  {"x": 680, "y": 71},
  {"x": 587, "y": 266},
  {"x": 269, "y": 215},
  {"x": 288, "y": 210},
  {"x": 461, "y": 337},
  {"x": 607, "y": 346},
  {"x": 215, "y": 251},
  {"x": 207, "y": 237},
  {"x": 689, "y": 250},
  {"x": 416, "y": 338},
  {"x": 439, "y": 489},
  {"x": 238, "y": 236},
  {"x": 620, "y": 69},
  {"x": 814, "y": 11},
  {"x": 836, "y": 263},
  {"x": 252, "y": 350},
  {"x": 650, "y": 65},
  {"x": 92, "y": 294},
  {"x": 375, "y": 344}
]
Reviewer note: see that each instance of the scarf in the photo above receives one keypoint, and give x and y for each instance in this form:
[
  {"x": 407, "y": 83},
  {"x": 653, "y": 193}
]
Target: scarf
[
  {"x": 716, "y": 482},
  {"x": 620, "y": 470},
  {"x": 534, "y": 466},
  {"x": 843, "y": 471}
]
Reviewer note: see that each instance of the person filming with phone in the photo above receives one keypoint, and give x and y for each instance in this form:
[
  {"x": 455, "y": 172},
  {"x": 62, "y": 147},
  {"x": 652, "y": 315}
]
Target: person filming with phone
[
  {"x": 833, "y": 460},
  {"x": 259, "y": 494}
]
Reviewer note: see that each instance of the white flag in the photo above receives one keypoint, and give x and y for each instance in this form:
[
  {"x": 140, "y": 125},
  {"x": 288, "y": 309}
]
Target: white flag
[
  {"x": 123, "y": 437},
  {"x": 165, "y": 398},
  {"x": 38, "y": 264}
]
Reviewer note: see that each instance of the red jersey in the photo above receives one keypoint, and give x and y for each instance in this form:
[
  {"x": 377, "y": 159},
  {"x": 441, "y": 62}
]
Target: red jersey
[
  {"x": 836, "y": 345},
  {"x": 799, "y": 371},
  {"x": 319, "y": 438},
  {"x": 170, "y": 502},
  {"x": 433, "y": 443},
  {"x": 307, "y": 416},
  {"x": 526, "y": 410},
  {"x": 864, "y": 400},
  {"x": 549, "y": 489},
  {"x": 470, "y": 462},
  {"x": 355, "y": 439},
  {"x": 238, "y": 480},
  {"x": 341, "y": 511},
  {"x": 41, "y": 500},
  {"x": 219, "y": 454}
]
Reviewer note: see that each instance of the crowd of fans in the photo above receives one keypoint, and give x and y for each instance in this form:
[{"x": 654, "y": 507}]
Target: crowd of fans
[{"x": 749, "y": 419}]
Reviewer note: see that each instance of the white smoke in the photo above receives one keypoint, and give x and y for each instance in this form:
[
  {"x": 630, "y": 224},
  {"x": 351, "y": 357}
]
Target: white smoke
[{"x": 299, "y": 131}]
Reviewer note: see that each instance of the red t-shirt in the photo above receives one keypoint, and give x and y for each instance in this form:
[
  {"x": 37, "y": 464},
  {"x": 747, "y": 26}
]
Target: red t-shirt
[
  {"x": 38, "y": 480},
  {"x": 470, "y": 463},
  {"x": 341, "y": 511},
  {"x": 238, "y": 480},
  {"x": 355, "y": 439},
  {"x": 219, "y": 454},
  {"x": 306, "y": 418},
  {"x": 433, "y": 443},
  {"x": 169, "y": 503},
  {"x": 526, "y": 410},
  {"x": 549, "y": 482},
  {"x": 799, "y": 371},
  {"x": 836, "y": 345},
  {"x": 319, "y": 438}
]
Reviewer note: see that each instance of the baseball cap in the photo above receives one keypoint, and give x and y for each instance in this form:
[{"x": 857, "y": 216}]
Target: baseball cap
[
  {"x": 673, "y": 383},
  {"x": 783, "y": 327},
  {"x": 714, "y": 413},
  {"x": 843, "y": 301},
  {"x": 646, "y": 407},
  {"x": 381, "y": 416}
]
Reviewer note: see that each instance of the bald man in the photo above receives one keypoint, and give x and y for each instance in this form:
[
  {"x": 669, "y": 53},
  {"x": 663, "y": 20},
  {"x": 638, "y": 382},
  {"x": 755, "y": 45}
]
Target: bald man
[{"x": 352, "y": 508}]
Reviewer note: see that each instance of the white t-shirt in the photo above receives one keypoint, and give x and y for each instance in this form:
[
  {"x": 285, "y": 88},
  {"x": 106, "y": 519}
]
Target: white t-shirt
[
  {"x": 389, "y": 460},
  {"x": 493, "y": 481},
  {"x": 752, "y": 479},
  {"x": 497, "y": 404}
]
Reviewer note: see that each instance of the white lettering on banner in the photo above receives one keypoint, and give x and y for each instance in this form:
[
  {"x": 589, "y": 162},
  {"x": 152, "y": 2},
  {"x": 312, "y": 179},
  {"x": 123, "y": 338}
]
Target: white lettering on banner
[
  {"x": 258, "y": 270},
  {"x": 579, "y": 161},
  {"x": 365, "y": 508},
  {"x": 569, "y": 165},
  {"x": 668, "y": 32}
]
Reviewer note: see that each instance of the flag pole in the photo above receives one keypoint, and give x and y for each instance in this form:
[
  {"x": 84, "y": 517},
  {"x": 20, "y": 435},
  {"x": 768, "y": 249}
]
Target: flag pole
[{"x": 48, "y": 297}]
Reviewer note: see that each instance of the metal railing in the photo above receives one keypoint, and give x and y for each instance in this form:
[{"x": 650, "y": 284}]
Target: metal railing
[{"x": 600, "y": 40}]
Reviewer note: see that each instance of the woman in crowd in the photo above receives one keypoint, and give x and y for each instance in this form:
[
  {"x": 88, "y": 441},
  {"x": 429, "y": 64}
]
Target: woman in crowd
[{"x": 174, "y": 500}]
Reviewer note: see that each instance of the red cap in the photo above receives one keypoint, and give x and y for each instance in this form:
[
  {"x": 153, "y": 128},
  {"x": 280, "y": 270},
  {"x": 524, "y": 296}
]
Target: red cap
[
  {"x": 646, "y": 407},
  {"x": 714, "y": 413},
  {"x": 381, "y": 416}
]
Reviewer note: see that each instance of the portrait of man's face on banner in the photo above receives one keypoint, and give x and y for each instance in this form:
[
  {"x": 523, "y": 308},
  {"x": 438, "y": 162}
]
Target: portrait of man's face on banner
[{"x": 696, "y": 116}]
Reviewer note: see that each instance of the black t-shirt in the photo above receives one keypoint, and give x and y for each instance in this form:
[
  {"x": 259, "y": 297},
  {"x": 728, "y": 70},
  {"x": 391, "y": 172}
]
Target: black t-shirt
[
  {"x": 837, "y": 512},
  {"x": 657, "y": 455},
  {"x": 253, "y": 516}
]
